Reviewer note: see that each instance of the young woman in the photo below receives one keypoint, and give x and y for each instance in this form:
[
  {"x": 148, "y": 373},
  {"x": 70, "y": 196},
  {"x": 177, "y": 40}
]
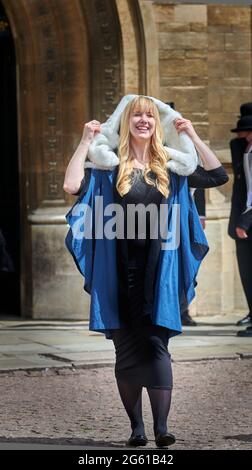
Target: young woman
[{"x": 137, "y": 283}]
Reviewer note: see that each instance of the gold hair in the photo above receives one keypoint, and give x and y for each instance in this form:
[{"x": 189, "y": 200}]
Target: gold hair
[{"x": 158, "y": 156}]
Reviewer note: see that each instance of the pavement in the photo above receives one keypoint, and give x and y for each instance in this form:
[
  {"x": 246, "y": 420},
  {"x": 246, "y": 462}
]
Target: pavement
[
  {"x": 59, "y": 390},
  {"x": 42, "y": 345}
]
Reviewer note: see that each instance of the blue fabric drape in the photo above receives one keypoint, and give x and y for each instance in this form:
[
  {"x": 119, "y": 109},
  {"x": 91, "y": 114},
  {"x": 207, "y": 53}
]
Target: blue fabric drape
[{"x": 96, "y": 258}]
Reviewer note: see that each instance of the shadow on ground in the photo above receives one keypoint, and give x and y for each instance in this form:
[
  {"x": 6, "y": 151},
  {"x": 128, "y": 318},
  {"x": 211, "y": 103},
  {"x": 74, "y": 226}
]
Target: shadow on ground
[
  {"x": 60, "y": 441},
  {"x": 240, "y": 437}
]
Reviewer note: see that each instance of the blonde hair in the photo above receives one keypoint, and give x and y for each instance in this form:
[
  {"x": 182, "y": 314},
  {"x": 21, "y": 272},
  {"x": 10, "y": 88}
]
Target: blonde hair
[{"x": 158, "y": 156}]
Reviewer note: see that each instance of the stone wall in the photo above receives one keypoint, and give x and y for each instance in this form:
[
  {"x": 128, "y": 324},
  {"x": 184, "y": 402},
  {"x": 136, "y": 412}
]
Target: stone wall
[
  {"x": 229, "y": 68},
  {"x": 183, "y": 44},
  {"x": 205, "y": 69},
  {"x": 205, "y": 64}
]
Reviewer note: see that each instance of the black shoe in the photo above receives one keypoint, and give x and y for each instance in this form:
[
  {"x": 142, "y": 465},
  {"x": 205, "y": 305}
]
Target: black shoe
[
  {"x": 245, "y": 333},
  {"x": 139, "y": 440},
  {"x": 245, "y": 321},
  {"x": 165, "y": 440},
  {"x": 187, "y": 320}
]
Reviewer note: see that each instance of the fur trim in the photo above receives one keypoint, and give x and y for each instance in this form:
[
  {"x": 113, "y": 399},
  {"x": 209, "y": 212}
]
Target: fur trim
[{"x": 182, "y": 153}]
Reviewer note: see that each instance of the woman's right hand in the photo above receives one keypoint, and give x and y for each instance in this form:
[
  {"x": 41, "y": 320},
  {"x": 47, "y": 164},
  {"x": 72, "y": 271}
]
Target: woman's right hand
[
  {"x": 185, "y": 125},
  {"x": 90, "y": 130}
]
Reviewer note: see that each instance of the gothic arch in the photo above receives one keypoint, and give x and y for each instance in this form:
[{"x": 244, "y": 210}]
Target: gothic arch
[{"x": 58, "y": 51}]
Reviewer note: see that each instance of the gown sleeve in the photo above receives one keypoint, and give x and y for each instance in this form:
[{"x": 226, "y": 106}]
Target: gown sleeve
[
  {"x": 94, "y": 253},
  {"x": 80, "y": 188},
  {"x": 84, "y": 183},
  {"x": 202, "y": 178}
]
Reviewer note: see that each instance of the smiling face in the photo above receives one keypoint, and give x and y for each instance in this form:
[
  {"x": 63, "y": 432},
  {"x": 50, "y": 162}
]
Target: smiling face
[
  {"x": 143, "y": 116},
  {"x": 142, "y": 124}
]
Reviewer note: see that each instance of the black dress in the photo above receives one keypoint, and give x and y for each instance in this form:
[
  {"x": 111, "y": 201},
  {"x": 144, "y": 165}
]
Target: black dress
[
  {"x": 141, "y": 348},
  {"x": 140, "y": 193}
]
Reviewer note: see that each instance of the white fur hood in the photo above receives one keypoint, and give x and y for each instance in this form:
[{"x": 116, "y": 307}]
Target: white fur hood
[{"x": 180, "y": 148}]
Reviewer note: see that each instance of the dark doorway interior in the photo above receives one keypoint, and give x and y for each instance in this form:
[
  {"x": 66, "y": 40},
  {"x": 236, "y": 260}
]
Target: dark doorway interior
[{"x": 9, "y": 176}]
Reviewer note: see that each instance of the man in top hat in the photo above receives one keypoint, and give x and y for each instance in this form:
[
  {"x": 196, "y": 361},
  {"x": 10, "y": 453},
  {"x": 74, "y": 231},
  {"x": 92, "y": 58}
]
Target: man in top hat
[{"x": 240, "y": 223}]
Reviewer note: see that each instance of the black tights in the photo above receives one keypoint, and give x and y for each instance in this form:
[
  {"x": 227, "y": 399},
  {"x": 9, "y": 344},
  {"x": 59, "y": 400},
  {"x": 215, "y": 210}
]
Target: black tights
[{"x": 160, "y": 399}]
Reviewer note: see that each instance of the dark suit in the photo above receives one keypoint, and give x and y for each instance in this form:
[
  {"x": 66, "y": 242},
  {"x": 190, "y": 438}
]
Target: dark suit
[
  {"x": 239, "y": 196},
  {"x": 240, "y": 219}
]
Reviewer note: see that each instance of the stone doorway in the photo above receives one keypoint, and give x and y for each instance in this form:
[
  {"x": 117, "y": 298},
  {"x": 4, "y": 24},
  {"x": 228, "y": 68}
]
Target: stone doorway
[
  {"x": 64, "y": 78},
  {"x": 73, "y": 61},
  {"x": 9, "y": 187}
]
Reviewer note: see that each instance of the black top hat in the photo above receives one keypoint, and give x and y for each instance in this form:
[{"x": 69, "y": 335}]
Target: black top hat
[
  {"x": 244, "y": 124},
  {"x": 246, "y": 109}
]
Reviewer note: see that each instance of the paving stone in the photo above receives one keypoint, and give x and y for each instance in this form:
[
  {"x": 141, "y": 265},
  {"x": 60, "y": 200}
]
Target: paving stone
[
  {"x": 26, "y": 348},
  {"x": 214, "y": 337},
  {"x": 87, "y": 356}
]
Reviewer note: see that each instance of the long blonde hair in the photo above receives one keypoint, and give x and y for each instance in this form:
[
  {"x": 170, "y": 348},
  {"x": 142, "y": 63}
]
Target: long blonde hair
[{"x": 157, "y": 154}]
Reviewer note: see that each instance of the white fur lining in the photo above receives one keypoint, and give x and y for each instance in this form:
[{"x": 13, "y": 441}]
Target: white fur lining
[{"x": 183, "y": 156}]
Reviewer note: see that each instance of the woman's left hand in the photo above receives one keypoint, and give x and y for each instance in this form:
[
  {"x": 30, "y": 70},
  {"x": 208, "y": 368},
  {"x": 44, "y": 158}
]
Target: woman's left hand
[{"x": 184, "y": 125}]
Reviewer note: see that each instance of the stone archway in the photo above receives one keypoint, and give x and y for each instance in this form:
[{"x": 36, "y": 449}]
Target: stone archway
[{"x": 56, "y": 58}]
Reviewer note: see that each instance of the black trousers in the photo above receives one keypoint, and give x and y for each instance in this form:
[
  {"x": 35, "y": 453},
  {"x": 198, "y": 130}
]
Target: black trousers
[{"x": 244, "y": 258}]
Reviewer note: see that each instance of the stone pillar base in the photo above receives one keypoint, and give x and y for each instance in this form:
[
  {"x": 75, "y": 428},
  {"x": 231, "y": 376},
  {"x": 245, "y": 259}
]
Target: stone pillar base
[
  {"x": 219, "y": 290},
  {"x": 214, "y": 292},
  {"x": 57, "y": 285}
]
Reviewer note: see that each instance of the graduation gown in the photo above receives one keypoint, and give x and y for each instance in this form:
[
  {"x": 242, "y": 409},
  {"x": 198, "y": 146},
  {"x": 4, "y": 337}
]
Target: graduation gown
[{"x": 170, "y": 273}]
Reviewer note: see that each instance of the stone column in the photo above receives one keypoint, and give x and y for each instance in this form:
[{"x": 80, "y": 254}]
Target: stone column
[
  {"x": 59, "y": 93},
  {"x": 229, "y": 85},
  {"x": 216, "y": 276}
]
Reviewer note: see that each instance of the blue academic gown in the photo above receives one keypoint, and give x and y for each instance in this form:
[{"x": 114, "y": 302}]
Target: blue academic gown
[{"x": 96, "y": 259}]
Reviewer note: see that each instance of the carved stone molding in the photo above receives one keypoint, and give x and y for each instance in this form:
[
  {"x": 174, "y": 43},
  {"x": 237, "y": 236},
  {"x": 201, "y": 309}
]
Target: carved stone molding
[
  {"x": 106, "y": 57},
  {"x": 50, "y": 86}
]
